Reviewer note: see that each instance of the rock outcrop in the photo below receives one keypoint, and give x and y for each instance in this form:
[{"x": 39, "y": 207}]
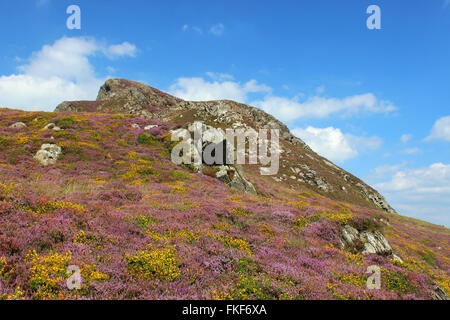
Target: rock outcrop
[
  {"x": 52, "y": 126},
  {"x": 376, "y": 198},
  {"x": 48, "y": 154},
  {"x": 235, "y": 178},
  {"x": 232, "y": 175},
  {"x": 18, "y": 125},
  {"x": 365, "y": 242}
]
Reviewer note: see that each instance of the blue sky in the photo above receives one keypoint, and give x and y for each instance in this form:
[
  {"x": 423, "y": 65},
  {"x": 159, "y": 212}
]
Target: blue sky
[{"x": 377, "y": 102}]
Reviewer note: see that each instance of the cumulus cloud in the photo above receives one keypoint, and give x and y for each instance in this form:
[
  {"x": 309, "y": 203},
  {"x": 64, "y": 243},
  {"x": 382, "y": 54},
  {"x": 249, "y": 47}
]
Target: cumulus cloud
[
  {"x": 121, "y": 50},
  {"x": 223, "y": 86},
  {"x": 434, "y": 179},
  {"x": 198, "y": 89},
  {"x": 441, "y": 130},
  {"x": 422, "y": 192},
  {"x": 320, "y": 107},
  {"x": 60, "y": 71},
  {"x": 331, "y": 143}
]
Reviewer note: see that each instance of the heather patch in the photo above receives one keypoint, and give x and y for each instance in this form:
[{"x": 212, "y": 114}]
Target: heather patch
[{"x": 140, "y": 227}]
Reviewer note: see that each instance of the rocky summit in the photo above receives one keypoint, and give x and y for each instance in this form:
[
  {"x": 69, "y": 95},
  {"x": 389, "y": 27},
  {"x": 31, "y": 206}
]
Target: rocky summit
[{"x": 92, "y": 206}]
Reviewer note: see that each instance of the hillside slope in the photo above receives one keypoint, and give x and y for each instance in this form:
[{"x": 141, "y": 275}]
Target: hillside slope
[
  {"x": 139, "y": 227},
  {"x": 300, "y": 167}
]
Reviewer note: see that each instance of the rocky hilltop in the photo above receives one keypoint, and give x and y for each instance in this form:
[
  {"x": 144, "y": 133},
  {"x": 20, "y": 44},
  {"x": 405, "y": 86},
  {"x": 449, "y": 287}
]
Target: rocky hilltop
[{"x": 300, "y": 167}]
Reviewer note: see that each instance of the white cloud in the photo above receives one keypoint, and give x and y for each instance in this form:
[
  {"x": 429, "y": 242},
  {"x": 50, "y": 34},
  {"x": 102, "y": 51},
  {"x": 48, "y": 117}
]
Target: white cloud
[
  {"x": 386, "y": 170},
  {"x": 319, "y": 107},
  {"x": 320, "y": 89},
  {"x": 217, "y": 29},
  {"x": 405, "y": 138},
  {"x": 441, "y": 130},
  {"x": 121, "y": 50},
  {"x": 57, "y": 72},
  {"x": 223, "y": 86},
  {"x": 186, "y": 27},
  {"x": 429, "y": 180},
  {"x": 198, "y": 89},
  {"x": 219, "y": 76},
  {"x": 422, "y": 192},
  {"x": 364, "y": 144},
  {"x": 331, "y": 143},
  {"x": 412, "y": 151}
]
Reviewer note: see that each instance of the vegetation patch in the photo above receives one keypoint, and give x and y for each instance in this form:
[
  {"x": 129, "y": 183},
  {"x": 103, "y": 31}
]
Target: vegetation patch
[{"x": 159, "y": 263}]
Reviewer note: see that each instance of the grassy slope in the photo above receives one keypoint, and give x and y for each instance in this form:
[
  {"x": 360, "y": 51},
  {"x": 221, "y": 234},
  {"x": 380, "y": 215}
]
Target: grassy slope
[{"x": 140, "y": 227}]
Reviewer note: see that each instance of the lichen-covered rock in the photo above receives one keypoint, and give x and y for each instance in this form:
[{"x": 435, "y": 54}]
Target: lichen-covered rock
[
  {"x": 48, "y": 154},
  {"x": 18, "y": 125},
  {"x": 322, "y": 184},
  {"x": 52, "y": 126},
  {"x": 365, "y": 241},
  {"x": 375, "y": 243},
  {"x": 235, "y": 178}
]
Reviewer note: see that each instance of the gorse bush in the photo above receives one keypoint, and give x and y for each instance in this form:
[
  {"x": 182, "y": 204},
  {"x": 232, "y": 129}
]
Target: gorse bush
[
  {"x": 48, "y": 273},
  {"x": 3, "y": 268},
  {"x": 159, "y": 263}
]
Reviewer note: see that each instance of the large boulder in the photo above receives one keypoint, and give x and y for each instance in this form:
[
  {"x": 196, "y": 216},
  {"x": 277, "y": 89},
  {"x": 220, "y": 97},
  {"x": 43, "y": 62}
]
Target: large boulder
[
  {"x": 48, "y": 154},
  {"x": 18, "y": 125}
]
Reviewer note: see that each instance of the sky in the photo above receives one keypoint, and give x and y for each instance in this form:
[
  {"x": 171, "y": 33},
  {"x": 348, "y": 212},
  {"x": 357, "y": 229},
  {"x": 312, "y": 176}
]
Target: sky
[{"x": 374, "y": 101}]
